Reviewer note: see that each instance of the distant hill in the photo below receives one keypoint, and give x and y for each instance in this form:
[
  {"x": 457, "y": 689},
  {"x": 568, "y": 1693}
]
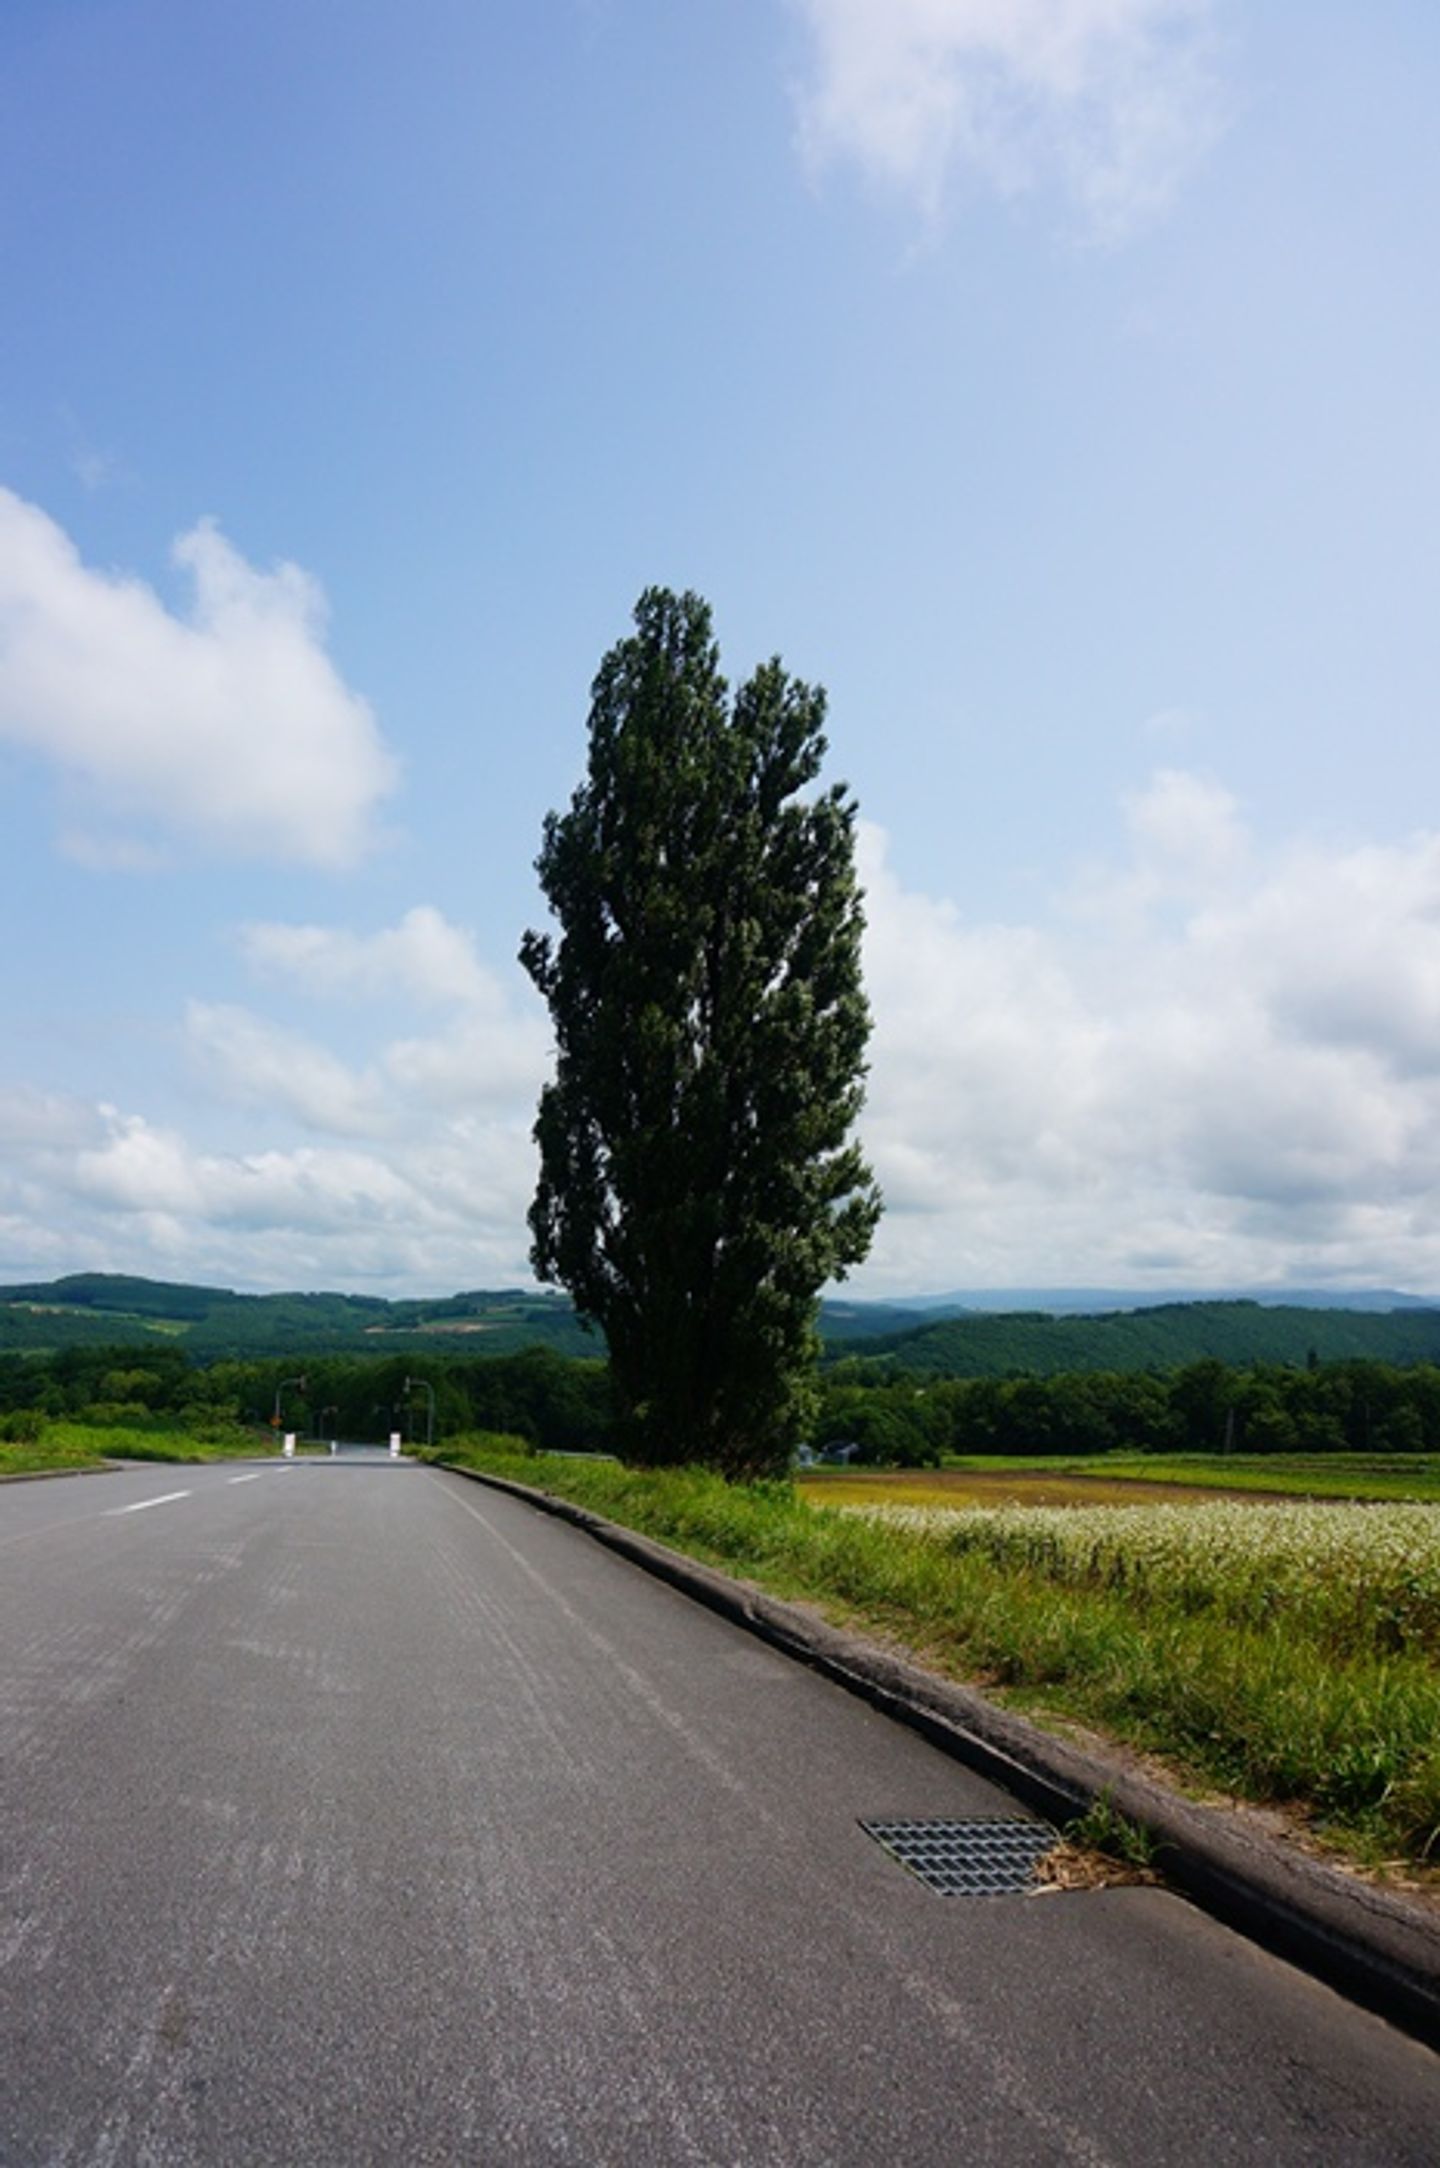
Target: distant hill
[
  {"x": 91, "y": 1308},
  {"x": 1095, "y": 1301},
  {"x": 103, "y": 1308},
  {"x": 1164, "y": 1337},
  {"x": 100, "y": 1308},
  {"x": 862, "y": 1320}
]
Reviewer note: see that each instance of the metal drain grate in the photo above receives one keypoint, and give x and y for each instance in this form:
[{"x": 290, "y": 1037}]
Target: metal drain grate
[{"x": 968, "y": 1859}]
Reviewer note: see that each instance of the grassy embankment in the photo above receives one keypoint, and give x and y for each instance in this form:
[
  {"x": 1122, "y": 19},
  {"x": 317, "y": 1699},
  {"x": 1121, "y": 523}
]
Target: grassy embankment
[
  {"x": 86, "y": 1445},
  {"x": 1288, "y": 1654}
]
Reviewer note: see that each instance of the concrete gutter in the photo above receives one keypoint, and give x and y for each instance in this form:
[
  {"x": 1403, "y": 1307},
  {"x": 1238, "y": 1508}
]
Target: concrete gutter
[
  {"x": 1372, "y": 1943},
  {"x": 49, "y": 1475}
]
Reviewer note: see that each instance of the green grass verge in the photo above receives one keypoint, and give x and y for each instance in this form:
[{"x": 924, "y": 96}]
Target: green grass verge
[
  {"x": 47, "y": 1455},
  {"x": 86, "y": 1445},
  {"x": 1277, "y": 1701}
]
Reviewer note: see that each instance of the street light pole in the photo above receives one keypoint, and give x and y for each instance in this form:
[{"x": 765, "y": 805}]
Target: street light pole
[
  {"x": 280, "y": 1388},
  {"x": 427, "y": 1388}
]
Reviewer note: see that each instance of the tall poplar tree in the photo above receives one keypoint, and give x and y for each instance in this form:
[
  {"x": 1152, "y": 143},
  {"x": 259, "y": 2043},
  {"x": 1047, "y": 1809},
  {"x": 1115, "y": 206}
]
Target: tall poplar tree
[{"x": 698, "y": 1180}]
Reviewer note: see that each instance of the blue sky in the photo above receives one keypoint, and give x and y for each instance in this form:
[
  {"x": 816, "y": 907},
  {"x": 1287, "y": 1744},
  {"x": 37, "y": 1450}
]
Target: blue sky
[{"x": 1054, "y": 380}]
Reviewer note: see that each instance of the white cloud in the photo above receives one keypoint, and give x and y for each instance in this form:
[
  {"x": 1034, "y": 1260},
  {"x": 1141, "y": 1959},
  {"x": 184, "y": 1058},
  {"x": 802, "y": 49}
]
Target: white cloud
[
  {"x": 1188, "y": 845},
  {"x": 1187, "y": 832},
  {"x": 439, "y": 1209},
  {"x": 249, "y": 1061},
  {"x": 491, "y": 1050},
  {"x": 1112, "y": 100},
  {"x": 412, "y": 1168},
  {"x": 1217, "y": 1065},
  {"x": 424, "y": 959},
  {"x": 474, "y": 1064},
  {"x": 228, "y": 725},
  {"x": 32, "y": 1120}
]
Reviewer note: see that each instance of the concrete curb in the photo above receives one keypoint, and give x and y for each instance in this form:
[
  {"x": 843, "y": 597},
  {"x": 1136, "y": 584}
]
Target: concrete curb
[
  {"x": 1369, "y": 1942},
  {"x": 48, "y": 1475}
]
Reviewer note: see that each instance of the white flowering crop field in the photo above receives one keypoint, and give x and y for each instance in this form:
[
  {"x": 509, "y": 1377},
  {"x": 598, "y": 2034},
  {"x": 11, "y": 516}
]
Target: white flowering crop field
[{"x": 1348, "y": 1576}]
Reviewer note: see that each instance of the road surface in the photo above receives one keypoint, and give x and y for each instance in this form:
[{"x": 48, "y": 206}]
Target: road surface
[{"x": 356, "y": 1814}]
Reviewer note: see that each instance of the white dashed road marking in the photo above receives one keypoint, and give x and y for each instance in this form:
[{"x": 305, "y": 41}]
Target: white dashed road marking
[{"x": 140, "y": 1504}]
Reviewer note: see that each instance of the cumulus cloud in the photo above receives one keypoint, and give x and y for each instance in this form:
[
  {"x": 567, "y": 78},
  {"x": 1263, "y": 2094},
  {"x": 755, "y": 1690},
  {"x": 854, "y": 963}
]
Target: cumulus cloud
[
  {"x": 473, "y": 1064},
  {"x": 424, "y": 959},
  {"x": 436, "y": 1206},
  {"x": 412, "y": 1167},
  {"x": 1187, "y": 847},
  {"x": 249, "y": 1061},
  {"x": 490, "y": 1050},
  {"x": 1215, "y": 1064},
  {"x": 1110, "y": 100},
  {"x": 228, "y": 724},
  {"x": 32, "y": 1120}
]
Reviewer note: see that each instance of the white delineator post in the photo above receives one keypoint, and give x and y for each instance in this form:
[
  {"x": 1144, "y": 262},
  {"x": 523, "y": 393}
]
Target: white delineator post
[
  {"x": 289, "y": 1446},
  {"x": 394, "y": 1445}
]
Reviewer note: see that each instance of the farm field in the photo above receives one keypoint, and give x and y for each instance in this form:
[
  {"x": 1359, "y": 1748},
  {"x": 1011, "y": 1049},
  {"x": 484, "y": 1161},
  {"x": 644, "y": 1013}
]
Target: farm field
[
  {"x": 1130, "y": 1480},
  {"x": 957, "y": 1488}
]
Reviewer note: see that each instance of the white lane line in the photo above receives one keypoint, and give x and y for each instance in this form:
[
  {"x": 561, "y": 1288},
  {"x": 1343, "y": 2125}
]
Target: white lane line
[
  {"x": 239, "y": 1479},
  {"x": 141, "y": 1503}
]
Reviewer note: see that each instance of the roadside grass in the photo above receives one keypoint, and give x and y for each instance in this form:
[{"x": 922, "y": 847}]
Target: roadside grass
[
  {"x": 1288, "y": 1656},
  {"x": 1100, "y": 1849},
  {"x": 88, "y": 1445},
  {"x": 42, "y": 1456}
]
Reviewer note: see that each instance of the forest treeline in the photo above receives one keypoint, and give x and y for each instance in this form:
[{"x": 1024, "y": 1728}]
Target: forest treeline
[
  {"x": 563, "y": 1402},
  {"x": 1205, "y": 1407},
  {"x": 536, "y": 1393}
]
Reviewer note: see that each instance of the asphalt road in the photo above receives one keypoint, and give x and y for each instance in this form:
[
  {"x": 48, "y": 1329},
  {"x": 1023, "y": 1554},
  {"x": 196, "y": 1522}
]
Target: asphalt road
[{"x": 355, "y": 1814}]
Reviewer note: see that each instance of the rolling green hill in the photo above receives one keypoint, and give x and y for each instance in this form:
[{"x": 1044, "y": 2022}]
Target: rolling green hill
[
  {"x": 93, "y": 1309},
  {"x": 1036, "y": 1344}
]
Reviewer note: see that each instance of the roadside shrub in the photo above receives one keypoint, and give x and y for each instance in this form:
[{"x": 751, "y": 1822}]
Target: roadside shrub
[{"x": 22, "y": 1426}]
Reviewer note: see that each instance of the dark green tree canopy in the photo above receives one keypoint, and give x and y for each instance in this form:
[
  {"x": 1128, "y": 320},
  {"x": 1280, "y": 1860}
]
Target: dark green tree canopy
[{"x": 698, "y": 1182}]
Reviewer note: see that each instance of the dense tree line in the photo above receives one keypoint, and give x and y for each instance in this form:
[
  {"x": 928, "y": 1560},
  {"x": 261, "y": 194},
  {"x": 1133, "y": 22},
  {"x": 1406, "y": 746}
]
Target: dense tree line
[
  {"x": 565, "y": 1402},
  {"x": 1207, "y": 1406},
  {"x": 536, "y": 1394}
]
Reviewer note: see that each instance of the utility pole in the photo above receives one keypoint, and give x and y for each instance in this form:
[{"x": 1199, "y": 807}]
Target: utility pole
[
  {"x": 282, "y": 1387},
  {"x": 428, "y": 1389}
]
